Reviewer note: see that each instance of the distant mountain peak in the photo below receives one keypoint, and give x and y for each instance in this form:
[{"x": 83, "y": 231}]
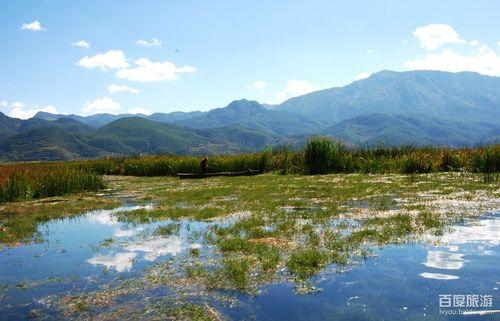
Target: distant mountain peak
[
  {"x": 244, "y": 104},
  {"x": 45, "y": 115}
]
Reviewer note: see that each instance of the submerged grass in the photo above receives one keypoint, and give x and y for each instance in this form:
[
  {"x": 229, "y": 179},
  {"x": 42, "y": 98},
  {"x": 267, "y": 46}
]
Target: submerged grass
[{"x": 275, "y": 228}]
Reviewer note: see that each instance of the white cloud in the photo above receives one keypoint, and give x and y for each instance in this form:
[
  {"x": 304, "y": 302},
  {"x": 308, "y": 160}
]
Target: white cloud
[
  {"x": 113, "y": 89},
  {"x": 438, "y": 276},
  {"x": 102, "y": 105},
  {"x": 142, "y": 111},
  {"x": 296, "y": 88},
  {"x": 108, "y": 217},
  {"x": 32, "y": 26},
  {"x": 483, "y": 60},
  {"x": 147, "y": 70},
  {"x": 152, "y": 43},
  {"x": 156, "y": 247},
  {"x": 81, "y": 43},
  {"x": 444, "y": 260},
  {"x": 498, "y": 43},
  {"x": 474, "y": 43},
  {"x": 120, "y": 261},
  {"x": 434, "y": 35},
  {"x": 4, "y": 103},
  {"x": 19, "y": 111},
  {"x": 363, "y": 75},
  {"x": 259, "y": 84},
  {"x": 17, "y": 104},
  {"x": 109, "y": 60},
  {"x": 126, "y": 233}
]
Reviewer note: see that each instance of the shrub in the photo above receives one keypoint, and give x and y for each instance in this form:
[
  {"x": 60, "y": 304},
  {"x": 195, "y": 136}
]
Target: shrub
[
  {"x": 412, "y": 164},
  {"x": 324, "y": 155}
]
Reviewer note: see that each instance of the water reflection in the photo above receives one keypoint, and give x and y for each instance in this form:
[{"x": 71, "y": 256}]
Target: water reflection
[
  {"x": 472, "y": 239},
  {"x": 444, "y": 260},
  {"x": 152, "y": 249},
  {"x": 126, "y": 253},
  {"x": 98, "y": 241},
  {"x": 156, "y": 247},
  {"x": 486, "y": 232},
  {"x": 119, "y": 232},
  {"x": 438, "y": 276},
  {"x": 107, "y": 217},
  {"x": 120, "y": 262}
]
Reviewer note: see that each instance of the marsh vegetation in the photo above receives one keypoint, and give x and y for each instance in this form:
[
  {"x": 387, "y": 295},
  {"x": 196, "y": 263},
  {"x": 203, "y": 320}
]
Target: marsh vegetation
[{"x": 207, "y": 243}]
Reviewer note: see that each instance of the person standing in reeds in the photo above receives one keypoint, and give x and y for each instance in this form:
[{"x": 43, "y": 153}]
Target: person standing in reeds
[{"x": 204, "y": 165}]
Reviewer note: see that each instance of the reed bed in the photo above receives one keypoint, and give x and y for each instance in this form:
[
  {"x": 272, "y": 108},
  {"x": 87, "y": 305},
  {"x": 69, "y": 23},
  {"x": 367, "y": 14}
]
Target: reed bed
[
  {"x": 25, "y": 182},
  {"x": 319, "y": 156}
]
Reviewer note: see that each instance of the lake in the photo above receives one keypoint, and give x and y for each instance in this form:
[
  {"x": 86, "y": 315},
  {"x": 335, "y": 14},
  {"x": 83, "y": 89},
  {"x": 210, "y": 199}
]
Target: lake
[{"x": 98, "y": 252}]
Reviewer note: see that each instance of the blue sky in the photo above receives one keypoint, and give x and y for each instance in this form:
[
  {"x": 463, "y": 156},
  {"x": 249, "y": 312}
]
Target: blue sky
[{"x": 120, "y": 56}]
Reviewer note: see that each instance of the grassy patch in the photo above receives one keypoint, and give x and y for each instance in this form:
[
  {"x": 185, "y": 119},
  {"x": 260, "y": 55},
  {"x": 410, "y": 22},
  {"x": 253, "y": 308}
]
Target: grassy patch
[
  {"x": 306, "y": 262},
  {"x": 168, "y": 229}
]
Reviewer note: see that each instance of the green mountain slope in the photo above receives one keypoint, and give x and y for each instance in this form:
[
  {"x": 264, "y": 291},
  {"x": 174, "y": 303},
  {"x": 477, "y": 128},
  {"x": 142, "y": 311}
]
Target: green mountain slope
[
  {"x": 46, "y": 143},
  {"x": 464, "y": 96},
  {"x": 417, "y": 107},
  {"x": 70, "y": 125},
  {"x": 251, "y": 114},
  {"x": 412, "y": 130},
  {"x": 8, "y": 125},
  {"x": 139, "y": 135}
]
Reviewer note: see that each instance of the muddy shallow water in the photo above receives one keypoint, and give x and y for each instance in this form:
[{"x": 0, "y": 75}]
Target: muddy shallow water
[{"x": 85, "y": 253}]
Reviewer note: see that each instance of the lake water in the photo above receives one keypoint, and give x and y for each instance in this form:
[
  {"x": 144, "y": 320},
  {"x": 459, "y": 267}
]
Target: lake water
[{"x": 404, "y": 282}]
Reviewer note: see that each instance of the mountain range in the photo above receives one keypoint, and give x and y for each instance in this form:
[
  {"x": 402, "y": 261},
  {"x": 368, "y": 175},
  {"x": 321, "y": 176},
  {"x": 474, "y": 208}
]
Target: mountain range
[{"x": 415, "y": 107}]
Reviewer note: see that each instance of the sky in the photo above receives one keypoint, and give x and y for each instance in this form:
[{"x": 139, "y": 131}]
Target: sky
[{"x": 120, "y": 56}]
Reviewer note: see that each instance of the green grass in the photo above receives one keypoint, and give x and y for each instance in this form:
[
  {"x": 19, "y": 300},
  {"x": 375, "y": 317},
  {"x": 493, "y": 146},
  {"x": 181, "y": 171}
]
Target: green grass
[
  {"x": 168, "y": 229},
  {"x": 320, "y": 156},
  {"x": 276, "y": 228},
  {"x": 17, "y": 184},
  {"x": 306, "y": 262}
]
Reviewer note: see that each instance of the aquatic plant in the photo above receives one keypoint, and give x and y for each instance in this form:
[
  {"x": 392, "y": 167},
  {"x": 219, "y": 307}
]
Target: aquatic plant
[
  {"x": 23, "y": 184},
  {"x": 321, "y": 155}
]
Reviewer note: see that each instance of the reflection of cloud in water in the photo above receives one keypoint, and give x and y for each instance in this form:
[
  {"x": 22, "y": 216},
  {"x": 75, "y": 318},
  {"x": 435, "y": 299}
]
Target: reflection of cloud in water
[
  {"x": 156, "y": 247},
  {"x": 438, "y": 276},
  {"x": 126, "y": 233},
  {"x": 444, "y": 260},
  {"x": 106, "y": 217},
  {"x": 484, "y": 231},
  {"x": 120, "y": 261}
]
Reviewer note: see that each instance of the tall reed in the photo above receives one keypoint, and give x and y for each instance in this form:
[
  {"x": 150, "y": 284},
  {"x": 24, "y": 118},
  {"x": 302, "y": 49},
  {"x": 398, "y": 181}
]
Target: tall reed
[
  {"x": 18, "y": 184},
  {"x": 321, "y": 155}
]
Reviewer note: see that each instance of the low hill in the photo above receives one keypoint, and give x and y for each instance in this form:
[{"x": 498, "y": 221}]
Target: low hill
[
  {"x": 46, "y": 143},
  {"x": 139, "y": 135}
]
